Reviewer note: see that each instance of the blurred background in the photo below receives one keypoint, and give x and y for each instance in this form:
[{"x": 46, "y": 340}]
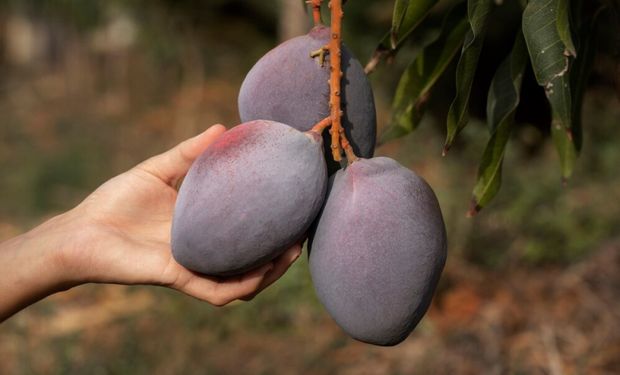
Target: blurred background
[{"x": 90, "y": 88}]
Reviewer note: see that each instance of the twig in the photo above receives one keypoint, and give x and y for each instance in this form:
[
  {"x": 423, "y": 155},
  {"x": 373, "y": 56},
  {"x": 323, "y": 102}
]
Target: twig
[
  {"x": 322, "y": 125},
  {"x": 316, "y": 10},
  {"x": 320, "y": 53},
  {"x": 346, "y": 146},
  {"x": 339, "y": 141}
]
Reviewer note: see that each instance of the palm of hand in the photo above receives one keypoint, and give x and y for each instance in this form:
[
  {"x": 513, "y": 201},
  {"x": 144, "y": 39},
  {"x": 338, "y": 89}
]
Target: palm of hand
[
  {"x": 127, "y": 232},
  {"x": 133, "y": 211}
]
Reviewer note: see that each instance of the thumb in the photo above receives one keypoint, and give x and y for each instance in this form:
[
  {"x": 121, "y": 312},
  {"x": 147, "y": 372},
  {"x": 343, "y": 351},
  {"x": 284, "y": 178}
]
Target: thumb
[{"x": 173, "y": 164}]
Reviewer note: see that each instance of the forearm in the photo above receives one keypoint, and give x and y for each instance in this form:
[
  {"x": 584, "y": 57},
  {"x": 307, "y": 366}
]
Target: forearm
[{"x": 32, "y": 266}]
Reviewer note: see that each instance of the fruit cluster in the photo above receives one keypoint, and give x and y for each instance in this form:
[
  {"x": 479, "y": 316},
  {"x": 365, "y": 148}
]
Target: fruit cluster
[{"x": 377, "y": 241}]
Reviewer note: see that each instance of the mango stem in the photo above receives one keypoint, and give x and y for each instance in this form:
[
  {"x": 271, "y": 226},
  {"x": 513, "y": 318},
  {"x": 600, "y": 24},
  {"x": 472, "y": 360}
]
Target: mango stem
[
  {"x": 322, "y": 125},
  {"x": 346, "y": 146},
  {"x": 335, "y": 59},
  {"x": 316, "y": 10}
]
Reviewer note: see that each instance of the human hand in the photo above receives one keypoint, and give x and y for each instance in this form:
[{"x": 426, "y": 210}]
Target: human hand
[
  {"x": 124, "y": 232},
  {"x": 121, "y": 234}
]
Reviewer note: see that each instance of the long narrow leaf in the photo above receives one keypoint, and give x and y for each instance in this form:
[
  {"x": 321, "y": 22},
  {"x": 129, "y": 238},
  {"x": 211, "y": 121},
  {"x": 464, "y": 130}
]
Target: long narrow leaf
[
  {"x": 400, "y": 9},
  {"x": 502, "y": 103},
  {"x": 415, "y": 12},
  {"x": 551, "y": 60},
  {"x": 407, "y": 15},
  {"x": 420, "y": 76},
  {"x": 458, "y": 114},
  {"x": 586, "y": 34},
  {"x": 563, "y": 25}
]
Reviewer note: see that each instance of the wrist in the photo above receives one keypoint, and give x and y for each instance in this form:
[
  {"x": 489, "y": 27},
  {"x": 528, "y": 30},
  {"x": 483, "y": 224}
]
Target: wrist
[
  {"x": 35, "y": 266},
  {"x": 54, "y": 245}
]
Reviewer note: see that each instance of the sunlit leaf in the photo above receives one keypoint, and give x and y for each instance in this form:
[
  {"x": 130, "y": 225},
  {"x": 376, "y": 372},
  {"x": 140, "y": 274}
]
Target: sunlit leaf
[
  {"x": 420, "y": 76},
  {"x": 502, "y": 103},
  {"x": 551, "y": 60},
  {"x": 458, "y": 115}
]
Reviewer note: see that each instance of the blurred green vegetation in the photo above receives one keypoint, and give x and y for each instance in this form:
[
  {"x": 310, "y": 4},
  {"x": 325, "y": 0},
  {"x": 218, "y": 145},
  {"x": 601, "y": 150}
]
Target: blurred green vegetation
[{"x": 90, "y": 88}]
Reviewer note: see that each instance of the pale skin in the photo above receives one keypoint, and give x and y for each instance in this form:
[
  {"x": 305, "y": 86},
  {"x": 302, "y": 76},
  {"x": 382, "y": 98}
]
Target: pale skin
[{"x": 120, "y": 234}]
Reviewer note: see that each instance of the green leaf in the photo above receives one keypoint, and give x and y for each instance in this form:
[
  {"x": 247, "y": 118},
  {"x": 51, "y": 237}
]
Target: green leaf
[
  {"x": 458, "y": 114},
  {"x": 565, "y": 145},
  {"x": 400, "y": 9},
  {"x": 586, "y": 33},
  {"x": 546, "y": 48},
  {"x": 407, "y": 15},
  {"x": 420, "y": 76},
  {"x": 502, "y": 103},
  {"x": 551, "y": 61},
  {"x": 415, "y": 12},
  {"x": 563, "y": 25}
]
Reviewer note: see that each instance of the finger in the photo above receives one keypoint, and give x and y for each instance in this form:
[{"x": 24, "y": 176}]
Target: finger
[
  {"x": 222, "y": 292},
  {"x": 280, "y": 265},
  {"x": 173, "y": 164}
]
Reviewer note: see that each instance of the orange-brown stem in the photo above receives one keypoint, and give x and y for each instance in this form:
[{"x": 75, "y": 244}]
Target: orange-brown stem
[
  {"x": 316, "y": 10},
  {"x": 348, "y": 150},
  {"x": 322, "y": 125},
  {"x": 335, "y": 76}
]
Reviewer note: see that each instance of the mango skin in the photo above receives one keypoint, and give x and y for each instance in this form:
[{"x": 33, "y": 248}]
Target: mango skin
[
  {"x": 289, "y": 86},
  {"x": 378, "y": 250},
  {"x": 250, "y": 196}
]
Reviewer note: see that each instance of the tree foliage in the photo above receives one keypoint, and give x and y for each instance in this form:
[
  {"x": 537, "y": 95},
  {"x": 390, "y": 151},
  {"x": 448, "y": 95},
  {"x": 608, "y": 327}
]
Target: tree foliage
[{"x": 555, "y": 38}]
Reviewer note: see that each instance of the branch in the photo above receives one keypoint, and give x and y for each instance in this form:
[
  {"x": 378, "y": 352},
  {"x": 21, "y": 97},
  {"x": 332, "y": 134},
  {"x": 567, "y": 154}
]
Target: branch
[
  {"x": 335, "y": 57},
  {"x": 339, "y": 141}
]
